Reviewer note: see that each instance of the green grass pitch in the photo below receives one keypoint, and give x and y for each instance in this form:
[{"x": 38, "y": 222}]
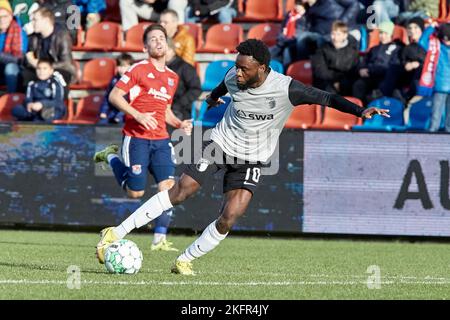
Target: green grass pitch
[{"x": 33, "y": 265}]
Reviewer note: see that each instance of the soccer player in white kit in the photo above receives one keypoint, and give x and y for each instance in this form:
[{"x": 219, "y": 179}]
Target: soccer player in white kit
[{"x": 240, "y": 144}]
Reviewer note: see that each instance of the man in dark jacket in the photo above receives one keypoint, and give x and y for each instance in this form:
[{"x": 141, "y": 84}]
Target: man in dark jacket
[
  {"x": 189, "y": 87},
  {"x": 49, "y": 41},
  {"x": 335, "y": 63},
  {"x": 379, "y": 59},
  {"x": 223, "y": 10}
]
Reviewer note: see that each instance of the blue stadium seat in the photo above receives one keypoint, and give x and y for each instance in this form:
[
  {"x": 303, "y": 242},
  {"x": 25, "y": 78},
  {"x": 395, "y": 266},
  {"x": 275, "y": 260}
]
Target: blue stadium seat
[
  {"x": 379, "y": 123},
  {"x": 277, "y": 66},
  {"x": 364, "y": 37},
  {"x": 215, "y": 72},
  {"x": 420, "y": 115},
  {"x": 209, "y": 118}
]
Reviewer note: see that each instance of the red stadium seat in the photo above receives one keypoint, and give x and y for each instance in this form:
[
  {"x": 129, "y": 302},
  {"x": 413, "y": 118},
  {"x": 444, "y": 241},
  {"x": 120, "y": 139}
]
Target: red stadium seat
[
  {"x": 97, "y": 73},
  {"x": 195, "y": 29},
  {"x": 88, "y": 109},
  {"x": 7, "y": 102},
  {"x": 336, "y": 120},
  {"x": 103, "y": 36},
  {"x": 257, "y": 10},
  {"x": 290, "y": 4},
  {"x": 134, "y": 38},
  {"x": 69, "y": 113},
  {"x": 267, "y": 32},
  {"x": 301, "y": 71},
  {"x": 304, "y": 116},
  {"x": 400, "y": 33},
  {"x": 223, "y": 38}
]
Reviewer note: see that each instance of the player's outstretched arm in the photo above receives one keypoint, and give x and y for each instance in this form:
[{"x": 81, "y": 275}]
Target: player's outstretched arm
[
  {"x": 301, "y": 94},
  {"x": 116, "y": 97},
  {"x": 213, "y": 99}
]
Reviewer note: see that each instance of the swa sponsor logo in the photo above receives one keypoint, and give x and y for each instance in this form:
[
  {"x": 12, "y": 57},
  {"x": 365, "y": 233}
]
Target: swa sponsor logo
[{"x": 254, "y": 116}]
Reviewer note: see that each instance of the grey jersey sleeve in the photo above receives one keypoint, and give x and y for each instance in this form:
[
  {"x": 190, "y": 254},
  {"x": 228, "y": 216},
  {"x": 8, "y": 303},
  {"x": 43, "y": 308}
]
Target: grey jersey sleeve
[{"x": 302, "y": 94}]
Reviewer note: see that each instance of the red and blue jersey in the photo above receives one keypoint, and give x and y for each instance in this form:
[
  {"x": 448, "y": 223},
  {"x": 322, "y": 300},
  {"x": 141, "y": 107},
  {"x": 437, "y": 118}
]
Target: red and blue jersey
[{"x": 149, "y": 90}]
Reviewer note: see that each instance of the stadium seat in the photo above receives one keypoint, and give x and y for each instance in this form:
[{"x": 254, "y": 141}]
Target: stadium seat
[
  {"x": 400, "y": 33},
  {"x": 103, "y": 36},
  {"x": 266, "y": 32},
  {"x": 364, "y": 36},
  {"x": 223, "y": 38},
  {"x": 196, "y": 30},
  {"x": 290, "y": 4},
  {"x": 133, "y": 38},
  {"x": 301, "y": 71},
  {"x": 215, "y": 72},
  {"x": 209, "y": 118},
  {"x": 87, "y": 110},
  {"x": 97, "y": 73},
  {"x": 334, "y": 119},
  {"x": 7, "y": 102},
  {"x": 380, "y": 123},
  {"x": 69, "y": 113},
  {"x": 304, "y": 116},
  {"x": 419, "y": 116},
  {"x": 277, "y": 66},
  {"x": 257, "y": 10}
]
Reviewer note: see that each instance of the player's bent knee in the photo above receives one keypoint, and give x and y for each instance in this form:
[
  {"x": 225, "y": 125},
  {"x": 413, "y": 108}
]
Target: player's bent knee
[{"x": 135, "y": 194}]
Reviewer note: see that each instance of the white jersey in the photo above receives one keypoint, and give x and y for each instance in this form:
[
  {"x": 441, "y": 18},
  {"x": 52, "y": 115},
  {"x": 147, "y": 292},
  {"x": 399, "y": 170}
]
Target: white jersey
[{"x": 255, "y": 117}]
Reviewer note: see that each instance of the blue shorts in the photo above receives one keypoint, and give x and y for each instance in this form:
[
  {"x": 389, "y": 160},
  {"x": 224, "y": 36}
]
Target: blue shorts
[{"x": 142, "y": 156}]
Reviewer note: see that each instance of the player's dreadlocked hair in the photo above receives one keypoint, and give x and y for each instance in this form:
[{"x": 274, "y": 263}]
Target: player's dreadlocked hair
[{"x": 255, "y": 48}]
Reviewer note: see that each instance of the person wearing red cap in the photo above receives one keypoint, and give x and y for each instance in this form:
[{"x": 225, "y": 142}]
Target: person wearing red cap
[{"x": 13, "y": 44}]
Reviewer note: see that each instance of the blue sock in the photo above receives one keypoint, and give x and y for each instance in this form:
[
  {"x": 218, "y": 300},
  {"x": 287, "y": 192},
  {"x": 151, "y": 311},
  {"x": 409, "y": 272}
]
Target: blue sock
[
  {"x": 162, "y": 222},
  {"x": 120, "y": 171}
]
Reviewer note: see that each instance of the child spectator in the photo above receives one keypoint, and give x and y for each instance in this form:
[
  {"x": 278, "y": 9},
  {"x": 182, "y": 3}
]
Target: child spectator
[
  {"x": 334, "y": 65},
  {"x": 294, "y": 23},
  {"x": 435, "y": 76},
  {"x": 373, "y": 70},
  {"x": 45, "y": 97},
  {"x": 108, "y": 112}
]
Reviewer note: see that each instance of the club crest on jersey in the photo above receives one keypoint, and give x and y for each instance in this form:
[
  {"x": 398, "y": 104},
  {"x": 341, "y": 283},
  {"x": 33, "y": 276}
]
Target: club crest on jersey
[
  {"x": 171, "y": 82},
  {"x": 202, "y": 164},
  {"x": 271, "y": 102},
  {"x": 136, "y": 169}
]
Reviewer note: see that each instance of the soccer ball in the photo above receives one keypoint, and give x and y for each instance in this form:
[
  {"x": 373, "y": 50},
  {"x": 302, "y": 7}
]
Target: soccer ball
[{"x": 123, "y": 256}]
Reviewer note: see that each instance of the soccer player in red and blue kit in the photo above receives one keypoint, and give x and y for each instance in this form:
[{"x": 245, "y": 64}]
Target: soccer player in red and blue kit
[{"x": 146, "y": 145}]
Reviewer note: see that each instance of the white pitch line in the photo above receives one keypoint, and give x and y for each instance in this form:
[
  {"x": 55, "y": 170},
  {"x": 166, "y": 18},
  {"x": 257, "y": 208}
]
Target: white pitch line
[{"x": 215, "y": 283}]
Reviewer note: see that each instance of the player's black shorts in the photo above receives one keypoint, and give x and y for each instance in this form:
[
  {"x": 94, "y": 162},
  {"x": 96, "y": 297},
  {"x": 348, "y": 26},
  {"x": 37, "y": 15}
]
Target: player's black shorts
[{"x": 238, "y": 175}]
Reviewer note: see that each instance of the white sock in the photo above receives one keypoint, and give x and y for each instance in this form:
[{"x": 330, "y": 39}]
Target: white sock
[
  {"x": 150, "y": 210},
  {"x": 158, "y": 237},
  {"x": 111, "y": 156},
  {"x": 209, "y": 239}
]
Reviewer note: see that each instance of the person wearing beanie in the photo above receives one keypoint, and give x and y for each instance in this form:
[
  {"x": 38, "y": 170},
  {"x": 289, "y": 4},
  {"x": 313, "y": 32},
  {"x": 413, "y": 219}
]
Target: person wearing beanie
[
  {"x": 13, "y": 44},
  {"x": 435, "y": 76},
  {"x": 375, "y": 65}
]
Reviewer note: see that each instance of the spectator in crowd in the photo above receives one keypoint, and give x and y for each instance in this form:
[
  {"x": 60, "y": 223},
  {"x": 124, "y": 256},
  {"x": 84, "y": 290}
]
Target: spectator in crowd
[
  {"x": 372, "y": 70},
  {"x": 335, "y": 63},
  {"x": 90, "y": 11},
  {"x": 189, "y": 87},
  {"x": 223, "y": 10},
  {"x": 435, "y": 77},
  {"x": 417, "y": 8},
  {"x": 385, "y": 10},
  {"x": 132, "y": 10},
  {"x": 13, "y": 44},
  {"x": 108, "y": 112},
  {"x": 49, "y": 41},
  {"x": 294, "y": 23},
  {"x": 184, "y": 42},
  {"x": 180, "y": 7},
  {"x": 404, "y": 77},
  {"x": 45, "y": 97}
]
